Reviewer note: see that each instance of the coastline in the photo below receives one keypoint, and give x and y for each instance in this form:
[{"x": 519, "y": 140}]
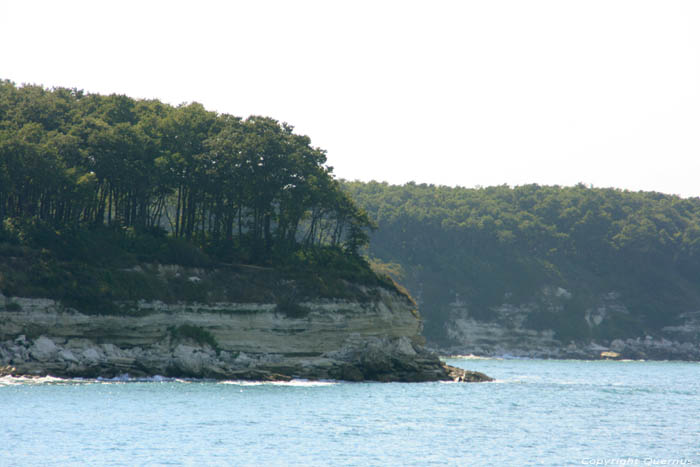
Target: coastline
[
  {"x": 334, "y": 339},
  {"x": 635, "y": 350}
]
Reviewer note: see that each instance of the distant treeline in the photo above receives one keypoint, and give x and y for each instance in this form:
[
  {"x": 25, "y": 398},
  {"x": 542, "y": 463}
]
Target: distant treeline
[
  {"x": 243, "y": 188},
  {"x": 501, "y": 244}
]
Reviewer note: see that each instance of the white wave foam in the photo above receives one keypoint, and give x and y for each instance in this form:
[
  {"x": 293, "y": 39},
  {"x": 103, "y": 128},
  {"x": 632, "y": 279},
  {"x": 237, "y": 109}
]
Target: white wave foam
[
  {"x": 18, "y": 380},
  {"x": 303, "y": 383},
  {"x": 495, "y": 381},
  {"x": 472, "y": 357},
  {"x": 119, "y": 379},
  {"x": 126, "y": 378}
]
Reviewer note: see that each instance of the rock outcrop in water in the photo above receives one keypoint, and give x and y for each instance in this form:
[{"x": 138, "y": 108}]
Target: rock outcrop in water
[{"x": 377, "y": 339}]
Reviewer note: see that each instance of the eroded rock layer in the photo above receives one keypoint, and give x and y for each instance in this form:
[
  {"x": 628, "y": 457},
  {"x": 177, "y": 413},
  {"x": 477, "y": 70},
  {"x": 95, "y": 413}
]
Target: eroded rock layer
[
  {"x": 376, "y": 340},
  {"x": 601, "y": 331}
]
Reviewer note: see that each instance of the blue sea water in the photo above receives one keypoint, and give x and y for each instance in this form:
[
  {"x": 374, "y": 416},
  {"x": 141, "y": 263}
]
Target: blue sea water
[{"x": 538, "y": 412}]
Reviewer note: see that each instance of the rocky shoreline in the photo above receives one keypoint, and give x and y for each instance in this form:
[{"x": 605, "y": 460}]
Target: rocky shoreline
[
  {"x": 334, "y": 339},
  {"x": 647, "y": 348},
  {"x": 379, "y": 360}
]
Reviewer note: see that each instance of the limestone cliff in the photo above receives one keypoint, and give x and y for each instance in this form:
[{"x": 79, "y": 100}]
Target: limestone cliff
[
  {"x": 375, "y": 336},
  {"x": 604, "y": 330}
]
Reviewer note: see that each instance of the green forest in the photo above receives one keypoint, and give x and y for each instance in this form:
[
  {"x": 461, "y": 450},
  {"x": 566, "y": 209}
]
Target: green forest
[
  {"x": 92, "y": 185},
  {"x": 248, "y": 190},
  {"x": 501, "y": 244},
  {"x": 89, "y": 182}
]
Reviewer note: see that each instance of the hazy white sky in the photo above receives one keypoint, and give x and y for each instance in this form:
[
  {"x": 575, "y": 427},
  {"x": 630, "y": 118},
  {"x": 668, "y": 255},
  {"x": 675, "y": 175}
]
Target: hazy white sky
[{"x": 446, "y": 92}]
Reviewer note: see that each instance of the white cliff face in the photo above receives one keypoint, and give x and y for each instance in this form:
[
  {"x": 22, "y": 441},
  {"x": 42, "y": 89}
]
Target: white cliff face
[
  {"x": 378, "y": 339},
  {"x": 236, "y": 327},
  {"x": 609, "y": 305},
  {"x": 507, "y": 331},
  {"x": 503, "y": 336},
  {"x": 688, "y": 329}
]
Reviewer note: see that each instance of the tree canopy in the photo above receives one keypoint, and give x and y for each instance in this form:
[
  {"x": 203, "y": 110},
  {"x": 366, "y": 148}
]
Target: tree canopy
[{"x": 244, "y": 189}]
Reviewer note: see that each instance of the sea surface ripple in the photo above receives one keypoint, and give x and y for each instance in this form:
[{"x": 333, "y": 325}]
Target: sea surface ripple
[{"x": 537, "y": 412}]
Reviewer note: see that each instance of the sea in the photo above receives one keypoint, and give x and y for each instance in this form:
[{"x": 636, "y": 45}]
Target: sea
[{"x": 537, "y": 412}]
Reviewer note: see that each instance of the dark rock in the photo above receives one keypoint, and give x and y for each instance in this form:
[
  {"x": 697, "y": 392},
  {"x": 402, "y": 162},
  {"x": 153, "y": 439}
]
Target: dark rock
[
  {"x": 350, "y": 373},
  {"x": 465, "y": 376},
  {"x": 258, "y": 375}
]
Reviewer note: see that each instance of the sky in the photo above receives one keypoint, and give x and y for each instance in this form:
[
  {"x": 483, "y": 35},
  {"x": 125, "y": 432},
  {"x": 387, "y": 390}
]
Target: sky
[{"x": 468, "y": 93}]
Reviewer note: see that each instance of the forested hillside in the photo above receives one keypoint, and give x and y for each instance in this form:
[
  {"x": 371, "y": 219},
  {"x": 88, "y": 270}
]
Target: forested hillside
[
  {"x": 87, "y": 179},
  {"x": 91, "y": 185},
  {"x": 496, "y": 247},
  {"x": 246, "y": 190}
]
